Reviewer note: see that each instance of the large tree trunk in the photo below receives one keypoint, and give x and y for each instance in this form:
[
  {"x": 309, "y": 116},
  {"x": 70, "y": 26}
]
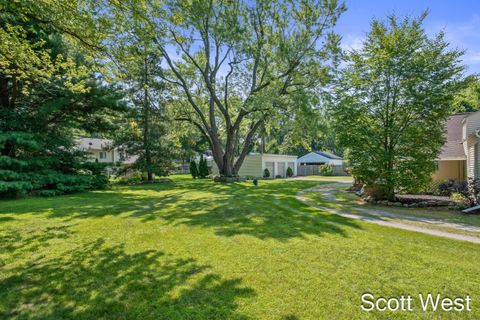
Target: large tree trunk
[
  {"x": 5, "y": 103},
  {"x": 227, "y": 165}
]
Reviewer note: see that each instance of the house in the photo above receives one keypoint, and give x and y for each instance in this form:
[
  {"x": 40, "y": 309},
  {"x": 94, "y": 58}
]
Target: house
[
  {"x": 254, "y": 165},
  {"x": 309, "y": 164},
  {"x": 460, "y": 155},
  {"x": 102, "y": 150}
]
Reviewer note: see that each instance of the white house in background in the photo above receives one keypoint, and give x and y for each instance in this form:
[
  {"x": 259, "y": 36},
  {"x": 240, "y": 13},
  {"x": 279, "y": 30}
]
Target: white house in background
[
  {"x": 310, "y": 163},
  {"x": 102, "y": 150},
  {"x": 254, "y": 165}
]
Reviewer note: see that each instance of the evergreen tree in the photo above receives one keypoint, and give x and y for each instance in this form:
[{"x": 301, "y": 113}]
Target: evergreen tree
[
  {"x": 48, "y": 96},
  {"x": 139, "y": 68},
  {"x": 203, "y": 168},
  {"x": 193, "y": 169}
]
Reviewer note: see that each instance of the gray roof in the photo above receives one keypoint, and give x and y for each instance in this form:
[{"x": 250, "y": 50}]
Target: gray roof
[
  {"x": 327, "y": 155},
  {"x": 453, "y": 148}
]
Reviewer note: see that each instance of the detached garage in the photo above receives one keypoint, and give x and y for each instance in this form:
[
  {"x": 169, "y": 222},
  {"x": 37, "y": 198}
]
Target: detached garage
[
  {"x": 310, "y": 163},
  {"x": 255, "y": 164}
]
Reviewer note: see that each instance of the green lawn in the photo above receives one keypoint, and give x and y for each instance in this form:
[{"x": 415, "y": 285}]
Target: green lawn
[{"x": 199, "y": 250}]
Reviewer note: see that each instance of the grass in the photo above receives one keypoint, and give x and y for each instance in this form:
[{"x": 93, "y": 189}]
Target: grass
[{"x": 198, "y": 250}]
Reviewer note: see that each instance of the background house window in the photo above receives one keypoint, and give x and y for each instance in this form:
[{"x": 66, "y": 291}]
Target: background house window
[{"x": 103, "y": 155}]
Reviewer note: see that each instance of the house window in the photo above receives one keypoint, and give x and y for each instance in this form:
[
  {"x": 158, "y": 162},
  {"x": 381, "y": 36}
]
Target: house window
[{"x": 103, "y": 155}]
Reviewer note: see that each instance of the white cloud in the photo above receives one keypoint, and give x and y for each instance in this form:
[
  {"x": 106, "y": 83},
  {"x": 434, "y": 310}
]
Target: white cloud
[{"x": 352, "y": 42}]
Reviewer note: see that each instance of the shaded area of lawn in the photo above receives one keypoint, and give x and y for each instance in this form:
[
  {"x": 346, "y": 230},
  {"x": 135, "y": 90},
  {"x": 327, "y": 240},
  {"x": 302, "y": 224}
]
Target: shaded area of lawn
[
  {"x": 267, "y": 211},
  {"x": 199, "y": 250},
  {"x": 94, "y": 281}
]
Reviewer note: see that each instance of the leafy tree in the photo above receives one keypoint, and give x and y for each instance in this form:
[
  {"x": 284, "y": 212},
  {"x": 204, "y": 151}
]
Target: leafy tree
[
  {"x": 193, "y": 169},
  {"x": 234, "y": 65},
  {"x": 394, "y": 96},
  {"x": 48, "y": 95},
  {"x": 468, "y": 98},
  {"x": 307, "y": 129}
]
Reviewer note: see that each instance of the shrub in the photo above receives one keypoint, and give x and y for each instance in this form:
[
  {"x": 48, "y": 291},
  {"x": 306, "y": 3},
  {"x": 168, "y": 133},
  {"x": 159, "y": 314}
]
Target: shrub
[
  {"x": 278, "y": 176},
  {"x": 458, "y": 197},
  {"x": 471, "y": 192},
  {"x": 376, "y": 191},
  {"x": 193, "y": 169},
  {"x": 266, "y": 173},
  {"x": 203, "y": 168},
  {"x": 255, "y": 181},
  {"x": 289, "y": 172},
  {"x": 450, "y": 186},
  {"x": 326, "y": 170}
]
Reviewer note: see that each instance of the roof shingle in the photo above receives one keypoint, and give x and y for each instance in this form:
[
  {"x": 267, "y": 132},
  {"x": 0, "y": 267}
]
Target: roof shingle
[{"x": 453, "y": 148}]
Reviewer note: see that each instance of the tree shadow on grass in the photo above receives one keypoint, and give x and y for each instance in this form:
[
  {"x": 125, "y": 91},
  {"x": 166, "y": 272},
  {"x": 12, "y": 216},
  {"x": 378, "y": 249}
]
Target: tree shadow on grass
[
  {"x": 96, "y": 281},
  {"x": 16, "y": 242},
  {"x": 267, "y": 211}
]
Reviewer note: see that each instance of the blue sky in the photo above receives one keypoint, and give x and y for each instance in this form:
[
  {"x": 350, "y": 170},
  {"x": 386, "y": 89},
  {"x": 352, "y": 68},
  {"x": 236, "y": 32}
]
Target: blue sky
[{"x": 460, "y": 19}]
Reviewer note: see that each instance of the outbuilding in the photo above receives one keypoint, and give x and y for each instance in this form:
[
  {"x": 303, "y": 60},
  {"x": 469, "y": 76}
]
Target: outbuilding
[
  {"x": 254, "y": 165},
  {"x": 310, "y": 163}
]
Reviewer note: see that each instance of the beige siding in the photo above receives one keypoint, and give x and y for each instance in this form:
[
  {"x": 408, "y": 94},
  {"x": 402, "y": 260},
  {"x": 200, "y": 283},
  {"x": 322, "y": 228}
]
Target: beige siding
[
  {"x": 471, "y": 161},
  {"x": 450, "y": 169},
  {"x": 95, "y": 155},
  {"x": 252, "y": 166},
  {"x": 472, "y": 123}
]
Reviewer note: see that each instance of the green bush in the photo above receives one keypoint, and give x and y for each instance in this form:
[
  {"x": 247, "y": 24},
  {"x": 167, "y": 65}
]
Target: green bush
[
  {"x": 193, "y": 169},
  {"x": 203, "y": 168},
  {"x": 376, "y": 191},
  {"x": 326, "y": 170},
  {"x": 266, "y": 173},
  {"x": 289, "y": 172}
]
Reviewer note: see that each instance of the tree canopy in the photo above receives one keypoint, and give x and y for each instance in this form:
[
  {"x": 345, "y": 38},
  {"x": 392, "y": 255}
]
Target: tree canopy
[
  {"x": 232, "y": 64},
  {"x": 394, "y": 97},
  {"x": 49, "y": 94}
]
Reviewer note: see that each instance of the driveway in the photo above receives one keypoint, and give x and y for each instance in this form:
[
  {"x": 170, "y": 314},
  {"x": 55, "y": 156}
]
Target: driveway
[{"x": 378, "y": 216}]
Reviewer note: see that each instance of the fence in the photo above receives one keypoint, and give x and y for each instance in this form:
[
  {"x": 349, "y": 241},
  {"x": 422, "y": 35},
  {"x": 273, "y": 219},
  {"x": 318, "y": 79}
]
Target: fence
[{"x": 314, "y": 170}]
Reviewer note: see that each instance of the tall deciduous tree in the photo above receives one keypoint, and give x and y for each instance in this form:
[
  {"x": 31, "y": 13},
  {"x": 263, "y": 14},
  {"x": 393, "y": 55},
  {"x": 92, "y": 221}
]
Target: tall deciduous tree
[
  {"x": 394, "y": 97},
  {"x": 236, "y": 63}
]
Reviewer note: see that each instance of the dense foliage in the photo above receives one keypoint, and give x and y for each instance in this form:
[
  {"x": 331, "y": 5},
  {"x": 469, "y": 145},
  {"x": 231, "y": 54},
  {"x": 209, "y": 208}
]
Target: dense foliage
[
  {"x": 48, "y": 95},
  {"x": 193, "y": 169},
  {"x": 203, "y": 168},
  {"x": 394, "y": 97},
  {"x": 144, "y": 130},
  {"x": 230, "y": 70}
]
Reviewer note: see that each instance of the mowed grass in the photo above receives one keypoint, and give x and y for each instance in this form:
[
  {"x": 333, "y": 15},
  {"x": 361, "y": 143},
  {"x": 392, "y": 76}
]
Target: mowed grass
[{"x": 199, "y": 250}]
